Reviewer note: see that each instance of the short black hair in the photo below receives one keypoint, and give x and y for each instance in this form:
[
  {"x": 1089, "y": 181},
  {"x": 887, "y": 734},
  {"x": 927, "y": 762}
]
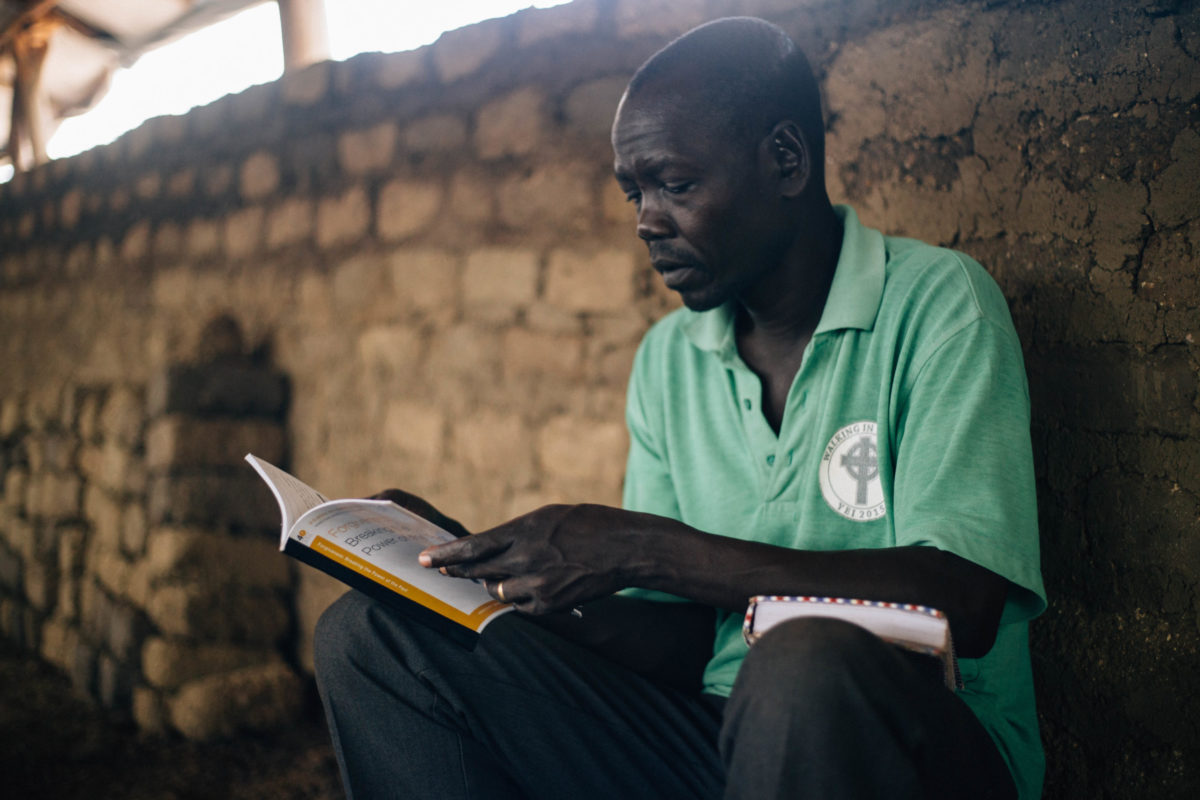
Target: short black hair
[{"x": 740, "y": 75}]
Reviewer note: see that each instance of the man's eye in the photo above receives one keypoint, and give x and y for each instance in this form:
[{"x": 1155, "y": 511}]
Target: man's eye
[
  {"x": 677, "y": 188},
  {"x": 633, "y": 197}
]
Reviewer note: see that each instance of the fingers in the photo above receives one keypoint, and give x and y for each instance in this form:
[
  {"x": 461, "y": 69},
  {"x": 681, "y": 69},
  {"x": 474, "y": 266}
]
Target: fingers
[{"x": 459, "y": 557}]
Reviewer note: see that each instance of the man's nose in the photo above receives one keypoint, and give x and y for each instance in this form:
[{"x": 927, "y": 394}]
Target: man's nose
[{"x": 652, "y": 222}]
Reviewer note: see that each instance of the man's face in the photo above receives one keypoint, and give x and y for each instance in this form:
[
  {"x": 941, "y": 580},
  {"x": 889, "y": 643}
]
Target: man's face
[{"x": 702, "y": 202}]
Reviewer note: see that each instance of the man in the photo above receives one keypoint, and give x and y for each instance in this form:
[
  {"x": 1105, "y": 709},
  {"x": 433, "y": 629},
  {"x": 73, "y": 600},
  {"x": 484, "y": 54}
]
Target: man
[{"x": 834, "y": 413}]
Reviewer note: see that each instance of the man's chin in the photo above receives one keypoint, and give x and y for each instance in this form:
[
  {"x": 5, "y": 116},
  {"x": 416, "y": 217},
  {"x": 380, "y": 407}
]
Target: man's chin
[{"x": 701, "y": 300}]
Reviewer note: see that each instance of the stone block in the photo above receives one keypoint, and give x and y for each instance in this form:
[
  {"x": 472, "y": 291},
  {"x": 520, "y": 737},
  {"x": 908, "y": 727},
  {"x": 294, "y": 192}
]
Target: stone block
[
  {"x": 583, "y": 449},
  {"x": 416, "y": 428},
  {"x": 555, "y": 196},
  {"x": 22, "y": 536},
  {"x": 136, "y": 243},
  {"x": 233, "y": 614},
  {"x": 661, "y": 19},
  {"x": 541, "y": 353},
  {"x": 170, "y": 663},
  {"x": 240, "y": 499},
  {"x": 258, "y": 698},
  {"x": 426, "y": 280},
  {"x": 81, "y": 667},
  {"x": 307, "y": 86},
  {"x": 552, "y": 23},
  {"x": 344, "y": 218},
  {"x": 11, "y": 568},
  {"x": 114, "y": 467},
  {"x": 203, "y": 238},
  {"x": 436, "y": 133},
  {"x": 16, "y": 479},
  {"x": 52, "y": 451},
  {"x": 148, "y": 186},
  {"x": 53, "y": 496},
  {"x": 123, "y": 415},
  {"x": 67, "y": 606},
  {"x": 168, "y": 240},
  {"x": 468, "y": 350},
  {"x": 58, "y": 643},
  {"x": 458, "y": 53},
  {"x": 133, "y": 529},
  {"x": 590, "y": 106},
  {"x": 496, "y": 443},
  {"x": 471, "y": 197},
  {"x": 10, "y": 416},
  {"x": 511, "y": 125},
  {"x": 182, "y": 183},
  {"x": 214, "y": 560},
  {"x": 407, "y": 207},
  {"x": 600, "y": 281},
  {"x": 105, "y": 514},
  {"x": 290, "y": 222},
  {"x": 149, "y": 711},
  {"x": 70, "y": 549},
  {"x": 183, "y": 441},
  {"x": 500, "y": 277},
  {"x": 114, "y": 683},
  {"x": 227, "y": 389},
  {"x": 400, "y": 69},
  {"x": 389, "y": 351},
  {"x": 360, "y": 288},
  {"x": 259, "y": 176},
  {"x": 41, "y": 586},
  {"x": 366, "y": 151},
  {"x": 70, "y": 208},
  {"x": 244, "y": 232}
]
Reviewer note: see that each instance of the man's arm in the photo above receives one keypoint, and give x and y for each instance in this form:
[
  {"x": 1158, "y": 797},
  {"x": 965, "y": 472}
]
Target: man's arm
[{"x": 560, "y": 556}]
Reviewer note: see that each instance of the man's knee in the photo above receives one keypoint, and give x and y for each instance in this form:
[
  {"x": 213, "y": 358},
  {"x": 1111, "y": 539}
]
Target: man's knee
[{"x": 810, "y": 660}]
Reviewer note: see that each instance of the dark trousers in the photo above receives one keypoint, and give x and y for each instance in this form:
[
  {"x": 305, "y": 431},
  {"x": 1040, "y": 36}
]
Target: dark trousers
[{"x": 820, "y": 709}]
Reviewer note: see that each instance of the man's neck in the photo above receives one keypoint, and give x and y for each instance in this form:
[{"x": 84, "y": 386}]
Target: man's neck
[
  {"x": 785, "y": 306},
  {"x": 777, "y": 318}
]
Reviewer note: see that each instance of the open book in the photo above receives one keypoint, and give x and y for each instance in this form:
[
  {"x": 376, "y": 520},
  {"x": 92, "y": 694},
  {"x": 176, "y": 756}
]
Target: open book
[
  {"x": 920, "y": 629},
  {"x": 372, "y": 546}
]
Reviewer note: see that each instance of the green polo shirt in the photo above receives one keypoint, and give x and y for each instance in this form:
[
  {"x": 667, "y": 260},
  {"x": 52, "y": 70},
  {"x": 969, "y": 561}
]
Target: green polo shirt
[{"x": 906, "y": 424}]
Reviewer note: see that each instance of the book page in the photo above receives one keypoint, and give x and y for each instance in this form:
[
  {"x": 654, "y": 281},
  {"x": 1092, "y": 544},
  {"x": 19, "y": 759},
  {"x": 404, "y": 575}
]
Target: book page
[
  {"x": 381, "y": 541},
  {"x": 293, "y": 495}
]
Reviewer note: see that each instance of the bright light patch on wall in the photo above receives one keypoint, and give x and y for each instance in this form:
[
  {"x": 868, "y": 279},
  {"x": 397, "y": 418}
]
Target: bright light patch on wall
[{"x": 245, "y": 50}]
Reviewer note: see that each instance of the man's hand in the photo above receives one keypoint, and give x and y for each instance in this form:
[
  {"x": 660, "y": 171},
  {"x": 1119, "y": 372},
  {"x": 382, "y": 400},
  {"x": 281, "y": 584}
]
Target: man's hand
[
  {"x": 548, "y": 560},
  {"x": 422, "y": 508}
]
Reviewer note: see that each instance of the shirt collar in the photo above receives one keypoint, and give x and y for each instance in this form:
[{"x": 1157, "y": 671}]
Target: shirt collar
[{"x": 853, "y": 300}]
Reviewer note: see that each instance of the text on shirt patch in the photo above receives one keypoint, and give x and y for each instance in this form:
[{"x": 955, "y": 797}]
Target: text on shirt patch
[{"x": 849, "y": 473}]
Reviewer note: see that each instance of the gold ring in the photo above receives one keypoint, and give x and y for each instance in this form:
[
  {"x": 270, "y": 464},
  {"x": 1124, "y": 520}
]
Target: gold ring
[{"x": 500, "y": 592}]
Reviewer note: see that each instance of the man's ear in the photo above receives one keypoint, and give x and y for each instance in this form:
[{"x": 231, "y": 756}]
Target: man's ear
[{"x": 790, "y": 158}]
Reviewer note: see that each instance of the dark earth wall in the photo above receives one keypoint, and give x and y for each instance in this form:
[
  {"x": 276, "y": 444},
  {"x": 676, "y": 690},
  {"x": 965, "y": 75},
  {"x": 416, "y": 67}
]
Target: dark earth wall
[{"x": 1056, "y": 142}]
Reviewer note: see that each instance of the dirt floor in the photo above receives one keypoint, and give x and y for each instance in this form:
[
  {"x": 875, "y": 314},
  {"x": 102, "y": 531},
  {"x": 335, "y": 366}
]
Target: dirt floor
[{"x": 55, "y": 746}]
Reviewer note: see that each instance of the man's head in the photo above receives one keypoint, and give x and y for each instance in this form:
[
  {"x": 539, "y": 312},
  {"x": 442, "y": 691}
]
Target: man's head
[{"x": 719, "y": 142}]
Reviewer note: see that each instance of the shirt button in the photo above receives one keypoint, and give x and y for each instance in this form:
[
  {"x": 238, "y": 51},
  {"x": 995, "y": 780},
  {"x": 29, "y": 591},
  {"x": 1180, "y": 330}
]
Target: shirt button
[
  {"x": 770, "y": 461},
  {"x": 746, "y": 402}
]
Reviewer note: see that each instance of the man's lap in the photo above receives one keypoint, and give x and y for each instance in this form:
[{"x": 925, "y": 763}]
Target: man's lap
[{"x": 530, "y": 714}]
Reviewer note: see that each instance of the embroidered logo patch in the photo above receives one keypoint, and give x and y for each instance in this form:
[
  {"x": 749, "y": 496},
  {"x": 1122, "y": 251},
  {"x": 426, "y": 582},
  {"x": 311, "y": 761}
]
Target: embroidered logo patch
[{"x": 849, "y": 473}]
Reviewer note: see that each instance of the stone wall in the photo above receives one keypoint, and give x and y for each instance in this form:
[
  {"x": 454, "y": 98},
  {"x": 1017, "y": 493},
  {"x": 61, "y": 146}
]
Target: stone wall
[{"x": 429, "y": 246}]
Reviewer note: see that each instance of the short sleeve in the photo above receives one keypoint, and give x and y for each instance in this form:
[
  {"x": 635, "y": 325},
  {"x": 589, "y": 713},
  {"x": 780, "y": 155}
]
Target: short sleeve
[{"x": 964, "y": 465}]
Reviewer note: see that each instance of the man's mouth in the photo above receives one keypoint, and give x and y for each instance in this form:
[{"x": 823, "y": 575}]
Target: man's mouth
[{"x": 679, "y": 276}]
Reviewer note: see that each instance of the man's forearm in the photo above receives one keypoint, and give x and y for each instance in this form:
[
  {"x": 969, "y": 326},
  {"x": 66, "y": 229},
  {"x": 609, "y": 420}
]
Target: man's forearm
[{"x": 725, "y": 572}]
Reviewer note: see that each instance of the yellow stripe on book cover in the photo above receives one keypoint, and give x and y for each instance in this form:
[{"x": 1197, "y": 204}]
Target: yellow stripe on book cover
[{"x": 367, "y": 570}]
